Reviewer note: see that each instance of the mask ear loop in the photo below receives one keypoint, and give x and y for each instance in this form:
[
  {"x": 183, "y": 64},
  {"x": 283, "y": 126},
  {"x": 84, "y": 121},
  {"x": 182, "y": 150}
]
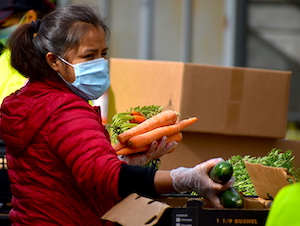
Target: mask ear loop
[
  {"x": 22, "y": 19},
  {"x": 71, "y": 87},
  {"x": 66, "y": 62}
]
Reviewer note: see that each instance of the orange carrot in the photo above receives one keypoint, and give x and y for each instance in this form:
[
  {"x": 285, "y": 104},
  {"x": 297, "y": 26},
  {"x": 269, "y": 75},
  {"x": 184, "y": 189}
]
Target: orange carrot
[
  {"x": 164, "y": 118},
  {"x": 136, "y": 113},
  {"x": 127, "y": 150},
  {"x": 157, "y": 133},
  {"x": 175, "y": 137},
  {"x": 119, "y": 146},
  {"x": 137, "y": 119}
]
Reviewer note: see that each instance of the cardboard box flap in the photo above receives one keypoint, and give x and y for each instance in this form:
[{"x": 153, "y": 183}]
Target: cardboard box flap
[
  {"x": 136, "y": 210},
  {"x": 267, "y": 180}
]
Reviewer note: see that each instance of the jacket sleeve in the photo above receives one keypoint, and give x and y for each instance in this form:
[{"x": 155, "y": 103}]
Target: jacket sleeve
[
  {"x": 79, "y": 139},
  {"x": 137, "y": 179}
]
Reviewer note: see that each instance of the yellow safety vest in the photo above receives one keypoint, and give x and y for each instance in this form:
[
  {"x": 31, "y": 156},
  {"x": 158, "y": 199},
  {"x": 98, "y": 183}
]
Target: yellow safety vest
[
  {"x": 10, "y": 79},
  {"x": 285, "y": 209}
]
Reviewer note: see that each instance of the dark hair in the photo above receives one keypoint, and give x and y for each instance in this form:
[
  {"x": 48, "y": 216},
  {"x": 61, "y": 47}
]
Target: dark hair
[{"x": 58, "y": 32}]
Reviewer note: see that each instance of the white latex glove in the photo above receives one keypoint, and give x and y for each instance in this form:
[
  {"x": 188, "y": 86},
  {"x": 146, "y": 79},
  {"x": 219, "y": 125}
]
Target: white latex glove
[
  {"x": 157, "y": 149},
  {"x": 197, "y": 179}
]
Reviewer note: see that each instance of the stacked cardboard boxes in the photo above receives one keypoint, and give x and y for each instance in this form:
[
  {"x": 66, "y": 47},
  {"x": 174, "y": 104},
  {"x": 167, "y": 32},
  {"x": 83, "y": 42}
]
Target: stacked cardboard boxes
[
  {"x": 240, "y": 110},
  {"x": 231, "y": 101}
]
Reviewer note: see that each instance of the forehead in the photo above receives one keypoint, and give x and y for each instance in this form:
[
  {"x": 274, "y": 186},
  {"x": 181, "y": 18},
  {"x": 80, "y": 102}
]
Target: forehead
[
  {"x": 90, "y": 38},
  {"x": 93, "y": 35}
]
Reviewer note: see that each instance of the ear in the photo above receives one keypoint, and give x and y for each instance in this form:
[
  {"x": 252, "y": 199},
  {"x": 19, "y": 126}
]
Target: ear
[
  {"x": 30, "y": 15},
  {"x": 53, "y": 61}
]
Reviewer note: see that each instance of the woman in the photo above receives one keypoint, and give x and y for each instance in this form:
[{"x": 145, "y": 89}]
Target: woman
[
  {"x": 61, "y": 164},
  {"x": 13, "y": 14}
]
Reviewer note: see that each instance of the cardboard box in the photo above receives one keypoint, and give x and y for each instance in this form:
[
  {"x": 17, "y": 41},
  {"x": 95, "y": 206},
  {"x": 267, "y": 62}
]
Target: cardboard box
[
  {"x": 254, "y": 214},
  {"x": 227, "y": 100},
  {"x": 198, "y": 147},
  {"x": 268, "y": 180},
  {"x": 136, "y": 210}
]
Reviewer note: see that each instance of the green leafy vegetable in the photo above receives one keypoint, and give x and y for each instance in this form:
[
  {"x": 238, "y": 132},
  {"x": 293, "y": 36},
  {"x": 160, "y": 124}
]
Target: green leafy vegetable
[
  {"x": 148, "y": 111},
  {"x": 275, "y": 158}
]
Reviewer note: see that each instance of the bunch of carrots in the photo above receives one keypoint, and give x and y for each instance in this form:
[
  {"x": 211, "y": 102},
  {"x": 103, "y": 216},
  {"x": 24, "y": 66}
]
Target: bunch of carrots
[
  {"x": 123, "y": 121},
  {"x": 139, "y": 137}
]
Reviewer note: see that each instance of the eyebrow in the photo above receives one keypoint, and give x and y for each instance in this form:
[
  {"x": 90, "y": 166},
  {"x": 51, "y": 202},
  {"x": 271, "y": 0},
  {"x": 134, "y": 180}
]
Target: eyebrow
[{"x": 94, "y": 50}]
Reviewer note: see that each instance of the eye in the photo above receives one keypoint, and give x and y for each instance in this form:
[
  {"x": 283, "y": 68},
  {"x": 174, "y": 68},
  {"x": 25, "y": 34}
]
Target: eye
[
  {"x": 104, "y": 54},
  {"x": 89, "y": 56}
]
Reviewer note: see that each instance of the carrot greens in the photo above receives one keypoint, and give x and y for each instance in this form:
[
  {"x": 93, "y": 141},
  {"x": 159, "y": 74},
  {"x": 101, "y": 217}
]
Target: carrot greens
[{"x": 148, "y": 111}]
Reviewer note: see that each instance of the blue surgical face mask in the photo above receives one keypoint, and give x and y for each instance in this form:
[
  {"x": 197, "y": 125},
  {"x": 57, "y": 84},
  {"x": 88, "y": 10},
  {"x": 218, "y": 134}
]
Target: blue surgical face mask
[
  {"x": 7, "y": 31},
  {"x": 91, "y": 78}
]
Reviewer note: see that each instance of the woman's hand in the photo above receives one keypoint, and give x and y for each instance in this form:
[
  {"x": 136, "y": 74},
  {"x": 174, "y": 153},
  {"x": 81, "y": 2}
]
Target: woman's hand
[
  {"x": 197, "y": 179},
  {"x": 156, "y": 150}
]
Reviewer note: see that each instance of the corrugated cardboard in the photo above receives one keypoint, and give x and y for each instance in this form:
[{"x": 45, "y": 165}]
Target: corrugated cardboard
[
  {"x": 198, "y": 147},
  {"x": 267, "y": 180},
  {"x": 136, "y": 210},
  {"x": 178, "y": 211},
  {"x": 226, "y": 100}
]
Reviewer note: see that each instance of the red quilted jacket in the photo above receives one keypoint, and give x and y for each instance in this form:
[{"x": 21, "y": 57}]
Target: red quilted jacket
[{"x": 61, "y": 164}]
